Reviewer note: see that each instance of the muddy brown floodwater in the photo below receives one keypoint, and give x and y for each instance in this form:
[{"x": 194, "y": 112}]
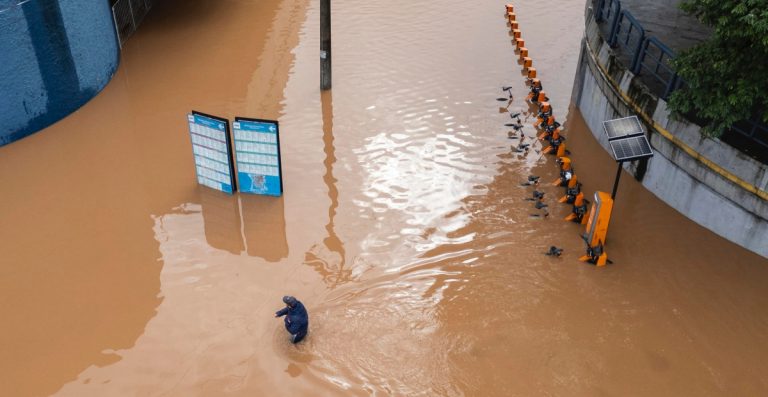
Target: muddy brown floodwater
[{"x": 403, "y": 227}]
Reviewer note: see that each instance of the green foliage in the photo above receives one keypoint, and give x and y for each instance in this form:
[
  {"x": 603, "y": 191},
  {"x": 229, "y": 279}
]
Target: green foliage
[{"x": 727, "y": 76}]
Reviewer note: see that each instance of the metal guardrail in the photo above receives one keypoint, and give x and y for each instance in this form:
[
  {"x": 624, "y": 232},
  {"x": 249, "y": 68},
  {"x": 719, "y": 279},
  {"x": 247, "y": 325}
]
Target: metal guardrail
[
  {"x": 755, "y": 130},
  {"x": 127, "y": 15},
  {"x": 629, "y": 33},
  {"x": 649, "y": 56},
  {"x": 607, "y": 9},
  {"x": 656, "y": 58}
]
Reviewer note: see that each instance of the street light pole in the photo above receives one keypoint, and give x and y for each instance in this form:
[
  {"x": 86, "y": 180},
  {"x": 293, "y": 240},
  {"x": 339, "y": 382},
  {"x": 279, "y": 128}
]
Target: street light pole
[{"x": 325, "y": 44}]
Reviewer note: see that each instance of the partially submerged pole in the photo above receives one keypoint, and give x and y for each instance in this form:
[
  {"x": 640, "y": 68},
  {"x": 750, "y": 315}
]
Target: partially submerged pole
[
  {"x": 325, "y": 44},
  {"x": 616, "y": 181}
]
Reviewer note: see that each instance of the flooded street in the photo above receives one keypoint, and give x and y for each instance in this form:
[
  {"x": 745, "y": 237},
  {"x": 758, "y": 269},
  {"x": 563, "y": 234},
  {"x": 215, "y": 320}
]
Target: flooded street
[{"x": 403, "y": 226}]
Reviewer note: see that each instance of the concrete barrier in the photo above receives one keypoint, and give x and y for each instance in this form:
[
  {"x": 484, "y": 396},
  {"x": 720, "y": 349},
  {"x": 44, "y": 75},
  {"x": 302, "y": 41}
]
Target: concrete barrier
[
  {"x": 708, "y": 181},
  {"x": 56, "y": 56}
]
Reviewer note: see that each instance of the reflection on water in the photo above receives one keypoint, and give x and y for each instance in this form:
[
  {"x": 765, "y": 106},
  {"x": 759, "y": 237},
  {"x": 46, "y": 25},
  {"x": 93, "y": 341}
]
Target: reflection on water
[
  {"x": 208, "y": 335},
  {"x": 264, "y": 227},
  {"x": 412, "y": 245},
  {"x": 329, "y": 259},
  {"x": 221, "y": 216},
  {"x": 245, "y": 223}
]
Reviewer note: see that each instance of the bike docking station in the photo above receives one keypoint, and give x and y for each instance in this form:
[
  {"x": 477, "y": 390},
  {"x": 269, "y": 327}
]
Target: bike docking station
[
  {"x": 628, "y": 143},
  {"x": 254, "y": 164},
  {"x": 626, "y": 138}
]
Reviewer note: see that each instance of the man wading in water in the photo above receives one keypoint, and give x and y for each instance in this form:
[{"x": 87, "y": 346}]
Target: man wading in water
[{"x": 296, "y": 318}]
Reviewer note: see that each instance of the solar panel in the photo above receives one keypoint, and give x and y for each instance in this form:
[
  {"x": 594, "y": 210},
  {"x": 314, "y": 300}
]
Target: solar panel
[
  {"x": 631, "y": 148},
  {"x": 619, "y": 128}
]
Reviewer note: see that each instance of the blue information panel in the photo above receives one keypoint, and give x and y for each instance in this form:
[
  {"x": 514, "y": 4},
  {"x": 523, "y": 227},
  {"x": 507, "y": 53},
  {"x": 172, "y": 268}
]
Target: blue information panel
[
  {"x": 257, "y": 150},
  {"x": 212, "y": 150}
]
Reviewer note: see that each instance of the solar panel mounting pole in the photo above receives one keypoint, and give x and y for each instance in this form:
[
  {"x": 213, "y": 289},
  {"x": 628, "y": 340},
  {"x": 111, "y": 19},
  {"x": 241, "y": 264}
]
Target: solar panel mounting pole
[
  {"x": 325, "y": 45},
  {"x": 628, "y": 142},
  {"x": 616, "y": 181}
]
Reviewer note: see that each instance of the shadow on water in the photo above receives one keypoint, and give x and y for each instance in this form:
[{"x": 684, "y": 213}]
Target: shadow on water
[
  {"x": 245, "y": 223},
  {"x": 221, "y": 217}
]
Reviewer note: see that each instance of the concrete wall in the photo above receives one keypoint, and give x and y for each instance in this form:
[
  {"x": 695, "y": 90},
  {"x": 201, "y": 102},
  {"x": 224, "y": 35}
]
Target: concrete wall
[
  {"x": 56, "y": 55},
  {"x": 708, "y": 181}
]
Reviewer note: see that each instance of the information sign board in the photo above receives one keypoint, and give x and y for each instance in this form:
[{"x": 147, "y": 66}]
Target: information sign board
[
  {"x": 212, "y": 151},
  {"x": 257, "y": 150}
]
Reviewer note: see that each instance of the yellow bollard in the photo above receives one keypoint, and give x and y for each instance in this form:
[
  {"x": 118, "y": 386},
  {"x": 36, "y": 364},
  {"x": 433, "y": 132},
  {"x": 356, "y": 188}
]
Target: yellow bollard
[
  {"x": 531, "y": 73},
  {"x": 561, "y": 150},
  {"x": 519, "y": 42},
  {"x": 511, "y": 16},
  {"x": 510, "y": 8},
  {"x": 514, "y": 25},
  {"x": 527, "y": 62},
  {"x": 516, "y": 33},
  {"x": 523, "y": 52}
]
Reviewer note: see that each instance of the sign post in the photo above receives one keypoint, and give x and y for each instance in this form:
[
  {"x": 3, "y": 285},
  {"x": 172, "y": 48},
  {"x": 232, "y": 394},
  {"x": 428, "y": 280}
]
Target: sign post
[
  {"x": 257, "y": 150},
  {"x": 212, "y": 151}
]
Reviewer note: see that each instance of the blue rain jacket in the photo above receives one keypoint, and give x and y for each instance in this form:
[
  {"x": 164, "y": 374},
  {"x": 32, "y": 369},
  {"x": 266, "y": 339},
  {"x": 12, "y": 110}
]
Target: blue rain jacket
[{"x": 296, "y": 318}]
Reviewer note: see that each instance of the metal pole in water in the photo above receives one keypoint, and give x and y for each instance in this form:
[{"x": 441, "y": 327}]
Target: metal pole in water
[
  {"x": 325, "y": 44},
  {"x": 616, "y": 182}
]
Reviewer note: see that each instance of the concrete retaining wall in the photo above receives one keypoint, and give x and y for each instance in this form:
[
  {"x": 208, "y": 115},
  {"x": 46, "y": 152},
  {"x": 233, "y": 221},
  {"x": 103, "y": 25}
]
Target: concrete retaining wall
[
  {"x": 56, "y": 55},
  {"x": 708, "y": 181}
]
